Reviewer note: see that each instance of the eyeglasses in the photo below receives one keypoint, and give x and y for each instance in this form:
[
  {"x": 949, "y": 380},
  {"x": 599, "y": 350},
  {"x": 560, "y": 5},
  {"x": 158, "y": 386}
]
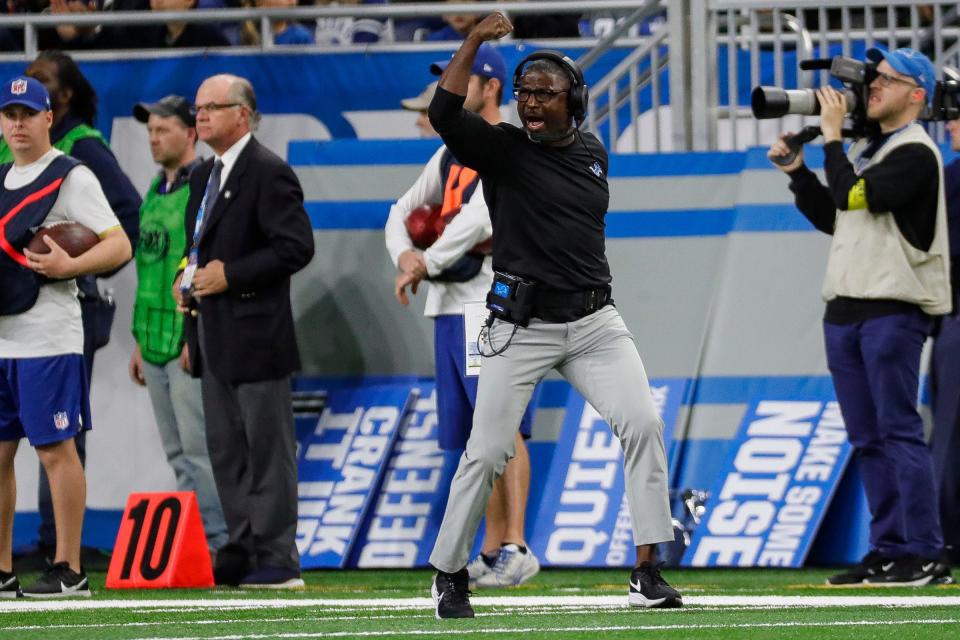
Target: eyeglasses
[
  {"x": 212, "y": 107},
  {"x": 543, "y": 96},
  {"x": 887, "y": 80}
]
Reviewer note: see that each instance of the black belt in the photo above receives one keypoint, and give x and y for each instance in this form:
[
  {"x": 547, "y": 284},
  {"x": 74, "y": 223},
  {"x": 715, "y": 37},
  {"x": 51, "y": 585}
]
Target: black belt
[{"x": 567, "y": 306}]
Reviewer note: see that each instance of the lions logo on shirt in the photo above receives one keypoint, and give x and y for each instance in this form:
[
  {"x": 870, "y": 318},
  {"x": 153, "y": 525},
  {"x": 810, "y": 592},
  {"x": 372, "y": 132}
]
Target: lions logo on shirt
[{"x": 596, "y": 169}]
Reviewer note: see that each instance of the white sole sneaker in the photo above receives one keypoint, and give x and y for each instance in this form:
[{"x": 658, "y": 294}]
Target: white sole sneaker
[
  {"x": 292, "y": 583},
  {"x": 80, "y": 593}
]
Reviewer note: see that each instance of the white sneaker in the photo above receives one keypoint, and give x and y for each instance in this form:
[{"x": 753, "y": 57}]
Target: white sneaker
[
  {"x": 477, "y": 569},
  {"x": 511, "y": 569}
]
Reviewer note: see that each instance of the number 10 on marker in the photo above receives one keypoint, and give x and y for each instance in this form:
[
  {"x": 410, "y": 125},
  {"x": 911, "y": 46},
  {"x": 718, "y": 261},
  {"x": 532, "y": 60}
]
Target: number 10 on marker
[{"x": 160, "y": 544}]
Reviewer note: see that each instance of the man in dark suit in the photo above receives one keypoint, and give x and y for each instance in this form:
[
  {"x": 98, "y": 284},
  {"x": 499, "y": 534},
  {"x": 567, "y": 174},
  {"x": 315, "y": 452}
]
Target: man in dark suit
[{"x": 247, "y": 233}]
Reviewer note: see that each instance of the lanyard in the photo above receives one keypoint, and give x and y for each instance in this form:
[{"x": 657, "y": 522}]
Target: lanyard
[{"x": 198, "y": 227}]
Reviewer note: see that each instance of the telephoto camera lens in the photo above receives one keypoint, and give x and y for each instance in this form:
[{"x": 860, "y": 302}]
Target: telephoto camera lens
[{"x": 774, "y": 102}]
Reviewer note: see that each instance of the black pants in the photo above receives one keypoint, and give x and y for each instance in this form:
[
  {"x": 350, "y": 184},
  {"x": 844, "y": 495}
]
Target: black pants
[
  {"x": 945, "y": 441},
  {"x": 253, "y": 451}
]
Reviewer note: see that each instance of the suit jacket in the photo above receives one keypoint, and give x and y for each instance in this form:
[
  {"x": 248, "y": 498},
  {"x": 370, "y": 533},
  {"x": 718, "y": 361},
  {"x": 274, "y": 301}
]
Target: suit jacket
[{"x": 260, "y": 230}]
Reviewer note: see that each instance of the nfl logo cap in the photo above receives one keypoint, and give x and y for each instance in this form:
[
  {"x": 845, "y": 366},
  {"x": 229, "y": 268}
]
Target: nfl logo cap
[
  {"x": 25, "y": 91},
  {"x": 911, "y": 63},
  {"x": 488, "y": 63}
]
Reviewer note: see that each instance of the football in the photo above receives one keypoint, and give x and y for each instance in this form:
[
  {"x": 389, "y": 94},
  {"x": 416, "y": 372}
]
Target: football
[
  {"x": 422, "y": 225},
  {"x": 73, "y": 237}
]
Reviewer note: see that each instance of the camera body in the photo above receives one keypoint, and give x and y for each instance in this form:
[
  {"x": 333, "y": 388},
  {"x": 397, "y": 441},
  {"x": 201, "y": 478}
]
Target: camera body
[
  {"x": 945, "y": 104},
  {"x": 856, "y": 76}
]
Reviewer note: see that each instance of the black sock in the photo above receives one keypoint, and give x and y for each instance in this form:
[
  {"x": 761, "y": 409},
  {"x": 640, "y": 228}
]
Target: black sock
[
  {"x": 489, "y": 560},
  {"x": 520, "y": 547}
]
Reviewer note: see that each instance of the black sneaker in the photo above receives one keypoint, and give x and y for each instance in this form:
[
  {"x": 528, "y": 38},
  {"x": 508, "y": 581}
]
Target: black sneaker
[
  {"x": 912, "y": 571},
  {"x": 649, "y": 589},
  {"x": 59, "y": 582},
  {"x": 451, "y": 595},
  {"x": 872, "y": 564},
  {"x": 9, "y": 585}
]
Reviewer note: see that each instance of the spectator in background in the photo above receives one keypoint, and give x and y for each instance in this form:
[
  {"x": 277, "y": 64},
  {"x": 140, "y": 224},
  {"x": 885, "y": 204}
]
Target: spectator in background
[
  {"x": 91, "y": 37},
  {"x": 458, "y": 25},
  {"x": 552, "y": 25},
  {"x": 414, "y": 29},
  {"x": 347, "y": 30},
  {"x": 180, "y": 34},
  {"x": 160, "y": 361},
  {"x": 11, "y": 38},
  {"x": 74, "y": 105},
  {"x": 945, "y": 373},
  {"x": 156, "y": 36},
  {"x": 420, "y": 104},
  {"x": 284, "y": 31}
]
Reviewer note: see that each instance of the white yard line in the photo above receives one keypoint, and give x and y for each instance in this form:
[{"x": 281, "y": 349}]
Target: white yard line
[
  {"x": 512, "y": 632},
  {"x": 20, "y": 606}
]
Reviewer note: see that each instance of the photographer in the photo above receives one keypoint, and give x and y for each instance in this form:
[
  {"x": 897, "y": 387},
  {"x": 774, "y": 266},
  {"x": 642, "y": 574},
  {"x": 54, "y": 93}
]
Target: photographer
[{"x": 887, "y": 274}]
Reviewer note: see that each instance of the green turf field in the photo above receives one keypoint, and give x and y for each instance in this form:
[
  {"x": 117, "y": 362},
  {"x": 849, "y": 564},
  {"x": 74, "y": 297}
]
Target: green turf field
[{"x": 753, "y": 604}]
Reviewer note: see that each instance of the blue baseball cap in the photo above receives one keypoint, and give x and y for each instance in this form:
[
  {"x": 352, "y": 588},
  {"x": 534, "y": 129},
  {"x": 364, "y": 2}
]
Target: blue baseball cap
[
  {"x": 488, "y": 63},
  {"x": 908, "y": 62},
  {"x": 26, "y": 91}
]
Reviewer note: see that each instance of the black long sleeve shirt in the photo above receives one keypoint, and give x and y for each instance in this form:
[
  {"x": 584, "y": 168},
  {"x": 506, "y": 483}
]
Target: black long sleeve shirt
[
  {"x": 547, "y": 203},
  {"x": 905, "y": 183}
]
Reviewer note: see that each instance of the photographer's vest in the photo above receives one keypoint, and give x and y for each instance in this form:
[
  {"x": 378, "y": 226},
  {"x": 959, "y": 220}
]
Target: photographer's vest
[
  {"x": 157, "y": 325},
  {"x": 22, "y": 211},
  {"x": 870, "y": 258},
  {"x": 65, "y": 144}
]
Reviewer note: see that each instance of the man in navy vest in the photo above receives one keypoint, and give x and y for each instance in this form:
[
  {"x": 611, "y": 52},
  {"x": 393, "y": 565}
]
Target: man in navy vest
[{"x": 43, "y": 381}]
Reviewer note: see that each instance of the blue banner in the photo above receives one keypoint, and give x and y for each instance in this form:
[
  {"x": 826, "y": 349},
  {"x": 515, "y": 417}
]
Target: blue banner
[
  {"x": 780, "y": 476},
  {"x": 404, "y": 523},
  {"x": 340, "y": 468},
  {"x": 583, "y": 519}
]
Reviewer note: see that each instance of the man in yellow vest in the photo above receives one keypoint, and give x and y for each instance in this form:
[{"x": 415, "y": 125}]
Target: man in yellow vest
[{"x": 161, "y": 362}]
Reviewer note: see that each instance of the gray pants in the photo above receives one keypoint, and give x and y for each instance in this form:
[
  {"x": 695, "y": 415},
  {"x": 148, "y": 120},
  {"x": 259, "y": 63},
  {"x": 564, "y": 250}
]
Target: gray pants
[
  {"x": 176, "y": 400},
  {"x": 597, "y": 355},
  {"x": 253, "y": 450}
]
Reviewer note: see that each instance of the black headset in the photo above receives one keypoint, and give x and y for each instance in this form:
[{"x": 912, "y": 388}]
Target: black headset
[{"x": 577, "y": 97}]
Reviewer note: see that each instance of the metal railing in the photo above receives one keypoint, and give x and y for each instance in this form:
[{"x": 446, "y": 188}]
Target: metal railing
[
  {"x": 626, "y": 82},
  {"x": 769, "y": 30},
  {"x": 265, "y": 16}
]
